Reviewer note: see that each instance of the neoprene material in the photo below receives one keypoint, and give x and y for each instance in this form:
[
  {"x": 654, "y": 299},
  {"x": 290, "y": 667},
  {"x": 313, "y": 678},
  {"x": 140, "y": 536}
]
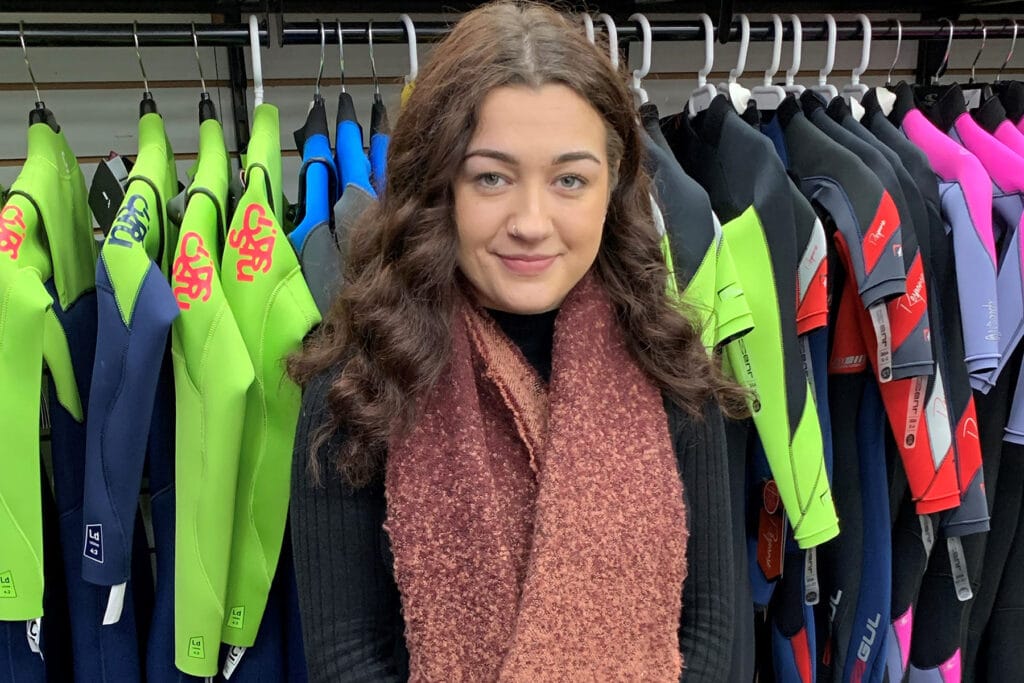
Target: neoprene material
[
  {"x": 696, "y": 254},
  {"x": 318, "y": 180},
  {"x": 263, "y": 284},
  {"x": 136, "y": 309},
  {"x": 352, "y": 164},
  {"x": 212, "y": 373},
  {"x": 768, "y": 359},
  {"x": 380, "y": 136},
  {"x": 966, "y": 197}
]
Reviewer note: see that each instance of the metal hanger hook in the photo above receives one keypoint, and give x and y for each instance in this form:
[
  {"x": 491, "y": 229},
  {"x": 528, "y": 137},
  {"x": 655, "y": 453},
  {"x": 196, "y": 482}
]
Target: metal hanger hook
[
  {"x": 138, "y": 53},
  {"x": 341, "y": 54},
  {"x": 1009, "y": 55},
  {"x": 199, "y": 62},
  {"x": 28, "y": 65},
  {"x": 945, "y": 58},
  {"x": 896, "y": 57},
  {"x": 323, "y": 49},
  {"x": 984, "y": 39},
  {"x": 373, "y": 64}
]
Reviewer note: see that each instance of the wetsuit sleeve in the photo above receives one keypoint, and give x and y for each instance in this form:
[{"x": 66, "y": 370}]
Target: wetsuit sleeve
[
  {"x": 23, "y": 304},
  {"x": 212, "y": 373},
  {"x": 351, "y": 609},
  {"x": 706, "y": 629},
  {"x": 783, "y": 406},
  {"x": 135, "y": 312},
  {"x": 966, "y": 199}
]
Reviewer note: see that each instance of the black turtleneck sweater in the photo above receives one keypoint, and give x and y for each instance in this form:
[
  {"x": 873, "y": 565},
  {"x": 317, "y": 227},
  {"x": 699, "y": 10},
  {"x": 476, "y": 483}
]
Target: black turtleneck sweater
[{"x": 352, "y": 623}]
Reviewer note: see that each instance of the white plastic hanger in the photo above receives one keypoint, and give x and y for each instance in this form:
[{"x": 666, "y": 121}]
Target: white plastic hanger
[
  {"x": 886, "y": 97},
  {"x": 823, "y": 87},
  {"x": 855, "y": 90},
  {"x": 738, "y": 95},
  {"x": 613, "y": 39},
  {"x": 700, "y": 98},
  {"x": 588, "y": 26},
  {"x": 645, "y": 64},
  {"x": 414, "y": 62},
  {"x": 798, "y": 47},
  {"x": 768, "y": 97},
  {"x": 257, "y": 64}
]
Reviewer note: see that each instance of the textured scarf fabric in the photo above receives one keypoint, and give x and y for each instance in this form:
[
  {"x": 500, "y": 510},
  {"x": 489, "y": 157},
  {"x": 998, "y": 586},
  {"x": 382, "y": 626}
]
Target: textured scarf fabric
[{"x": 539, "y": 532}]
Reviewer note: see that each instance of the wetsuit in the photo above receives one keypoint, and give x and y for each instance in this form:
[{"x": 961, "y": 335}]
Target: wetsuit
[{"x": 274, "y": 310}]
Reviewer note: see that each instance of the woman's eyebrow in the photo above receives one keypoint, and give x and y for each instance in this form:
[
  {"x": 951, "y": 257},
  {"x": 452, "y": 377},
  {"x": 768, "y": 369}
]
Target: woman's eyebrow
[{"x": 506, "y": 158}]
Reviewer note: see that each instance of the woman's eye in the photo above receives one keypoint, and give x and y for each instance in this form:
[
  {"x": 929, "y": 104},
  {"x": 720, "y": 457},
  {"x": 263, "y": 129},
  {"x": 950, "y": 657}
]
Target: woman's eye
[
  {"x": 490, "y": 180},
  {"x": 571, "y": 182}
]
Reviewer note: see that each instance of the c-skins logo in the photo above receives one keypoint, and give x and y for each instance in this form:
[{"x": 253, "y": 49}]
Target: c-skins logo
[
  {"x": 94, "y": 542},
  {"x": 12, "y": 230},
  {"x": 254, "y": 240}
]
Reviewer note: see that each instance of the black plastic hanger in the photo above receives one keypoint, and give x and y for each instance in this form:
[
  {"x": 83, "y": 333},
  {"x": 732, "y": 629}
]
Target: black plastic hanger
[{"x": 927, "y": 94}]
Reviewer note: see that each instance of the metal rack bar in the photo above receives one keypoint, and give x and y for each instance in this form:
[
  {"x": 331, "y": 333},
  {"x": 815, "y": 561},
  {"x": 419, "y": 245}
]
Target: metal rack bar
[
  {"x": 112, "y": 35},
  {"x": 308, "y": 33}
]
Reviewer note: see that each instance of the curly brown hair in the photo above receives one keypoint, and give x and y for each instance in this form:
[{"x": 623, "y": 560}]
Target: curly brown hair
[{"x": 387, "y": 338}]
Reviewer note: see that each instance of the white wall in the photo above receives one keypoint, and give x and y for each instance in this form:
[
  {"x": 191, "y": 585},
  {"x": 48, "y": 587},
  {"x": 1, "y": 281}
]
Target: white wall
[{"x": 95, "y": 92}]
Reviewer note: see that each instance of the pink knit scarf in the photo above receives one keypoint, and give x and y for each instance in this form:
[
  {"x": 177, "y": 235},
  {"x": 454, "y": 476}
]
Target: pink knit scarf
[{"x": 539, "y": 532}]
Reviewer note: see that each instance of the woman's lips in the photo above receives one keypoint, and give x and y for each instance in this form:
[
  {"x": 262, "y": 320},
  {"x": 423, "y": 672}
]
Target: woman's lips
[{"x": 527, "y": 265}]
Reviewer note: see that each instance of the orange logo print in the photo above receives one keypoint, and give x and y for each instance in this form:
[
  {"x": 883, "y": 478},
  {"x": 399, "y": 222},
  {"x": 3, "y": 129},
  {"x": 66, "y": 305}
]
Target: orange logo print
[
  {"x": 192, "y": 283},
  {"x": 255, "y": 252},
  {"x": 12, "y": 230}
]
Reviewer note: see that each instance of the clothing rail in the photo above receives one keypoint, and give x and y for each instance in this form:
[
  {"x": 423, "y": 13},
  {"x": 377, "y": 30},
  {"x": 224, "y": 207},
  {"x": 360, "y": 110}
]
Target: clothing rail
[
  {"x": 814, "y": 29},
  {"x": 308, "y": 33}
]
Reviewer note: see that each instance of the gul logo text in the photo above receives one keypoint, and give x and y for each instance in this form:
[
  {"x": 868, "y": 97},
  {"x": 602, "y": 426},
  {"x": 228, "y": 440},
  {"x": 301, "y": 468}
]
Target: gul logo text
[{"x": 132, "y": 223}]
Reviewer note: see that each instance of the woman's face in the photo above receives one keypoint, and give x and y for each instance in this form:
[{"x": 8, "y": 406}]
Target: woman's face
[{"x": 531, "y": 197}]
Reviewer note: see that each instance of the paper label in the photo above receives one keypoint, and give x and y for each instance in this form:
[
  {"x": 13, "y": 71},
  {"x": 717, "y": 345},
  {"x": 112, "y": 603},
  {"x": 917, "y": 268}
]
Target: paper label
[
  {"x": 958, "y": 564},
  {"x": 115, "y": 605},
  {"x": 811, "y": 591},
  {"x": 927, "y": 534},
  {"x": 32, "y": 630},
  {"x": 233, "y": 659},
  {"x": 883, "y": 334}
]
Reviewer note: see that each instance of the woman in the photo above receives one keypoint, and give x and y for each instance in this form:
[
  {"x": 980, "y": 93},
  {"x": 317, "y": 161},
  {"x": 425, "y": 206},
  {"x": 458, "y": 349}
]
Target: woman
[{"x": 511, "y": 454}]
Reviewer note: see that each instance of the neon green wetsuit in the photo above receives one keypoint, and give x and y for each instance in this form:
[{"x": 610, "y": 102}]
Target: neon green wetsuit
[
  {"x": 45, "y": 236},
  {"x": 212, "y": 373},
  {"x": 275, "y": 310}
]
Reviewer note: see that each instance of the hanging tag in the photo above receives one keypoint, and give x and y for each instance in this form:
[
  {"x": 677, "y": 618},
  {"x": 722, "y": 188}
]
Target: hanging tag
[
  {"x": 883, "y": 334},
  {"x": 927, "y": 534},
  {"x": 115, "y": 605},
  {"x": 805, "y": 356},
  {"x": 232, "y": 661},
  {"x": 811, "y": 590},
  {"x": 958, "y": 563},
  {"x": 771, "y": 533},
  {"x": 107, "y": 190},
  {"x": 32, "y": 629},
  {"x": 915, "y": 404}
]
